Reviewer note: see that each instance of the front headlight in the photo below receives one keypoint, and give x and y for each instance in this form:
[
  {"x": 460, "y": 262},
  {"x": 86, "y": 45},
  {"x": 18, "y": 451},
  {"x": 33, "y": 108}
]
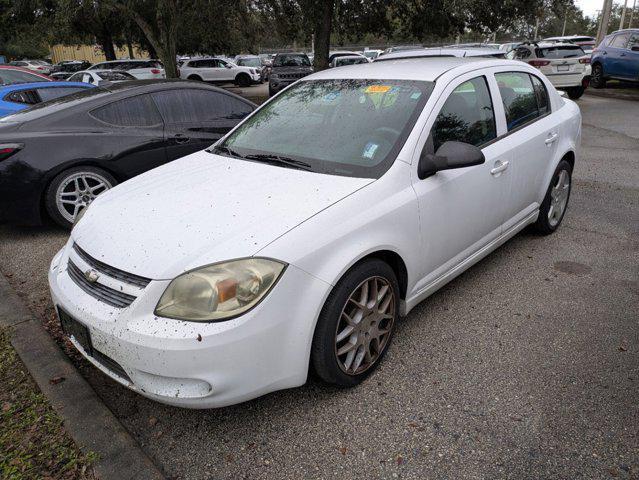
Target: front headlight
[{"x": 220, "y": 291}]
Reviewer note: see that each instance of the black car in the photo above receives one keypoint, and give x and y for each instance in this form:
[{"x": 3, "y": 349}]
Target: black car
[
  {"x": 286, "y": 69},
  {"x": 57, "y": 156},
  {"x": 64, "y": 69}
]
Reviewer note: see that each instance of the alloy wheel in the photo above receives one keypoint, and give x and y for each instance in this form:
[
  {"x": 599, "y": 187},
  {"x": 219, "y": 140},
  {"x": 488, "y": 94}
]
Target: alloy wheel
[
  {"x": 559, "y": 198},
  {"x": 365, "y": 325},
  {"x": 77, "y": 191}
]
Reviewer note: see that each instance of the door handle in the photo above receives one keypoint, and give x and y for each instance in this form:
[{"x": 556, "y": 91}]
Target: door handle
[
  {"x": 552, "y": 138},
  {"x": 179, "y": 138},
  {"x": 499, "y": 167}
]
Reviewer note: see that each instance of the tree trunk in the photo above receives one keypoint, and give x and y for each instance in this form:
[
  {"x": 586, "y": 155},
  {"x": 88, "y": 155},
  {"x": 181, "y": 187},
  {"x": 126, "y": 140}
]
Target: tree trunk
[
  {"x": 323, "y": 26},
  {"x": 130, "y": 48},
  {"x": 106, "y": 42}
]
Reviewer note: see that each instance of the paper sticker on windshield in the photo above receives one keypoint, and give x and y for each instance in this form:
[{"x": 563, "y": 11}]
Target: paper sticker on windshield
[
  {"x": 369, "y": 150},
  {"x": 377, "y": 89},
  {"x": 415, "y": 95},
  {"x": 329, "y": 97}
]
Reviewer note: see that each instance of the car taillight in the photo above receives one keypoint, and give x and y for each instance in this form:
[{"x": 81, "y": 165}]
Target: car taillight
[
  {"x": 155, "y": 71},
  {"x": 8, "y": 149},
  {"x": 538, "y": 63},
  {"x": 40, "y": 68},
  {"x": 584, "y": 60}
]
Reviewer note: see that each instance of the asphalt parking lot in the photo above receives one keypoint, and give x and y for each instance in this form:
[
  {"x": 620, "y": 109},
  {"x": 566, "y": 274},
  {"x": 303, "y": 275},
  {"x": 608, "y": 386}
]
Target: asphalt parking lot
[{"x": 526, "y": 366}]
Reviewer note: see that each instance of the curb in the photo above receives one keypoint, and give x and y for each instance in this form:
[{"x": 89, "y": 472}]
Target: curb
[{"x": 86, "y": 418}]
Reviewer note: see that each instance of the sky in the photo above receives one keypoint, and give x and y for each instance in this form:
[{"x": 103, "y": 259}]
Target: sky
[{"x": 590, "y": 7}]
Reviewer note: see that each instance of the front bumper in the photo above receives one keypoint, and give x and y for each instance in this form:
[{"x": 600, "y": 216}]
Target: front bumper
[{"x": 195, "y": 364}]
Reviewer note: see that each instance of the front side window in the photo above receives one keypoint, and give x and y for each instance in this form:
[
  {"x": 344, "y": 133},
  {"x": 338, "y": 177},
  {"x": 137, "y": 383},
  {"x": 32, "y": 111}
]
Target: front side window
[
  {"x": 188, "y": 106},
  {"x": 26, "y": 97},
  {"x": 137, "y": 111},
  {"x": 76, "y": 77},
  {"x": 518, "y": 96},
  {"x": 342, "y": 127},
  {"x": 620, "y": 41},
  {"x": 467, "y": 116}
]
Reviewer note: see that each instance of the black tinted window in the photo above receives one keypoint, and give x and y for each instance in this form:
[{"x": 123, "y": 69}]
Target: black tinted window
[
  {"x": 137, "y": 111},
  {"x": 560, "y": 52},
  {"x": 518, "y": 95},
  {"x": 15, "y": 76},
  {"x": 467, "y": 116},
  {"x": 543, "y": 103},
  {"x": 57, "y": 92},
  {"x": 27, "y": 97},
  {"x": 187, "y": 106}
]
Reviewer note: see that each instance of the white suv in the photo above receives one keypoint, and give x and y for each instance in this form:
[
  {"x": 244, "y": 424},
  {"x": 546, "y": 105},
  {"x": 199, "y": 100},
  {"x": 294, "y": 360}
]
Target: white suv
[
  {"x": 140, "y": 69},
  {"x": 565, "y": 64},
  {"x": 218, "y": 70}
]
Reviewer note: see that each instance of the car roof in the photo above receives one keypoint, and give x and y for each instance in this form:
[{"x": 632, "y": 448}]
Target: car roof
[
  {"x": 442, "y": 52},
  {"x": 425, "y": 69}
]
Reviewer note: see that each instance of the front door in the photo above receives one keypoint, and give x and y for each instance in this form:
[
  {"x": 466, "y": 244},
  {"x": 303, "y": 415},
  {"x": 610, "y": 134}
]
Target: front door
[{"x": 462, "y": 210}]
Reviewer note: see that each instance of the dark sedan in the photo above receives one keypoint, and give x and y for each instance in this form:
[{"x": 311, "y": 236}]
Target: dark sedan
[{"x": 56, "y": 157}]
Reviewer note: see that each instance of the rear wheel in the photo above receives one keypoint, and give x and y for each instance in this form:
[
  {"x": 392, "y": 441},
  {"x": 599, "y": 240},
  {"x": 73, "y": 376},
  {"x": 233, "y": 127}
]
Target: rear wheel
[
  {"x": 243, "y": 80},
  {"x": 356, "y": 324},
  {"x": 597, "y": 79},
  {"x": 575, "y": 92},
  {"x": 553, "y": 208},
  {"x": 73, "y": 190}
]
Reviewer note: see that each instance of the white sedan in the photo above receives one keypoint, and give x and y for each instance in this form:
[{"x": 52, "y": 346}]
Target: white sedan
[
  {"x": 226, "y": 274},
  {"x": 96, "y": 77}
]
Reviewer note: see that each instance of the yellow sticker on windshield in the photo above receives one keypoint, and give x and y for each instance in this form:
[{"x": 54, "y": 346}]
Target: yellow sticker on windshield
[{"x": 377, "y": 89}]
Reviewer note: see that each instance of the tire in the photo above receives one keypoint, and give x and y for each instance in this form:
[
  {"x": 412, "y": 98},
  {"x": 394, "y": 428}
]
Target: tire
[
  {"x": 365, "y": 323},
  {"x": 575, "y": 92},
  {"x": 195, "y": 78},
  {"x": 597, "y": 78},
  {"x": 78, "y": 186},
  {"x": 555, "y": 203},
  {"x": 243, "y": 80},
  {"x": 271, "y": 92}
]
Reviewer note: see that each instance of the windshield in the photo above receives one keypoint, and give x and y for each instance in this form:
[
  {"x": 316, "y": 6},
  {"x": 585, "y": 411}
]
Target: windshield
[
  {"x": 340, "y": 127},
  {"x": 249, "y": 62},
  {"x": 114, "y": 76},
  {"x": 560, "y": 52},
  {"x": 291, "y": 60}
]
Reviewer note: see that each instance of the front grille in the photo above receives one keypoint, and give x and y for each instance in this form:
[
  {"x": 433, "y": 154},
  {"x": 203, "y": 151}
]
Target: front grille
[
  {"x": 99, "y": 291},
  {"x": 110, "y": 364},
  {"x": 111, "y": 271},
  {"x": 292, "y": 75}
]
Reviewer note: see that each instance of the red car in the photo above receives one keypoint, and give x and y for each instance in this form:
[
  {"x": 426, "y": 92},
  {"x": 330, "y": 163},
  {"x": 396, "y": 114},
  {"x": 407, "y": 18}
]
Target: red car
[{"x": 10, "y": 74}]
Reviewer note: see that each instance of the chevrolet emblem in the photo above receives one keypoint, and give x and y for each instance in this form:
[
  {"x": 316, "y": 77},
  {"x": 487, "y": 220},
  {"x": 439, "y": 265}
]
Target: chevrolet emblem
[{"x": 91, "y": 276}]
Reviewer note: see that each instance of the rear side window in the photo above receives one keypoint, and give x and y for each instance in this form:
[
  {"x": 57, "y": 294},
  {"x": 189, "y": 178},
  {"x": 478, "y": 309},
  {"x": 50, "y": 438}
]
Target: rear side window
[
  {"x": 57, "y": 92},
  {"x": 187, "y": 106},
  {"x": 519, "y": 98},
  {"x": 560, "y": 52},
  {"x": 543, "y": 102},
  {"x": 137, "y": 111},
  {"x": 620, "y": 41},
  {"x": 467, "y": 116},
  {"x": 27, "y": 97}
]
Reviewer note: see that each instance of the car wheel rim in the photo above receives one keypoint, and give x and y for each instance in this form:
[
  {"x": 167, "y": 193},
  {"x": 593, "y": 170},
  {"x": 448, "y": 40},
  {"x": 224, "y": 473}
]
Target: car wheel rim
[
  {"x": 365, "y": 325},
  {"x": 595, "y": 75},
  {"x": 559, "y": 198},
  {"x": 77, "y": 191}
]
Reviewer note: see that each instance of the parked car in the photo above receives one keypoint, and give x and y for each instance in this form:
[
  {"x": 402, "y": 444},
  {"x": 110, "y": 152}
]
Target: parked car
[
  {"x": 252, "y": 61},
  {"x": 97, "y": 77},
  {"x": 564, "y": 64},
  {"x": 371, "y": 54},
  {"x": 219, "y": 71},
  {"x": 333, "y": 55},
  {"x": 140, "y": 69},
  {"x": 64, "y": 69},
  {"x": 19, "y": 96},
  {"x": 443, "y": 52},
  {"x": 586, "y": 42},
  {"x": 56, "y": 157},
  {"x": 227, "y": 274},
  {"x": 348, "y": 60},
  {"x": 616, "y": 57},
  {"x": 39, "y": 66},
  {"x": 287, "y": 68},
  {"x": 399, "y": 48},
  {"x": 10, "y": 74}
]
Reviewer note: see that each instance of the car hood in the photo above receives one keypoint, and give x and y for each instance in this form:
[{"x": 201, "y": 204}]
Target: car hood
[{"x": 202, "y": 209}]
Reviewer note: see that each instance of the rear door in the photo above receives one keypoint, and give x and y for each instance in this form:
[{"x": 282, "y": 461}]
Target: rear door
[
  {"x": 196, "y": 118},
  {"x": 532, "y": 133}
]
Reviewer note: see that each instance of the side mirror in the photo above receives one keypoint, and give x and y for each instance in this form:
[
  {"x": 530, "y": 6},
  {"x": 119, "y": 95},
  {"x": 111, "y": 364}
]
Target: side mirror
[{"x": 450, "y": 155}]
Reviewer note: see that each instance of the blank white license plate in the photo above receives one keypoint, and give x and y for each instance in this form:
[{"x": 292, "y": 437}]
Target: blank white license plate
[{"x": 563, "y": 68}]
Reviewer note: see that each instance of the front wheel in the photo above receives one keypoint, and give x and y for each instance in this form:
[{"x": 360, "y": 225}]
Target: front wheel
[
  {"x": 597, "y": 79},
  {"x": 356, "y": 324},
  {"x": 73, "y": 190},
  {"x": 575, "y": 92},
  {"x": 243, "y": 80},
  {"x": 553, "y": 208}
]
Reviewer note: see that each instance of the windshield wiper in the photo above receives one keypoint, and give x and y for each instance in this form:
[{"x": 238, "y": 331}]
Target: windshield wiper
[
  {"x": 226, "y": 150},
  {"x": 279, "y": 160}
]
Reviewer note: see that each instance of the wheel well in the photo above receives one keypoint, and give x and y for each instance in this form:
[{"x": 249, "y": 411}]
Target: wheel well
[
  {"x": 194, "y": 77},
  {"x": 570, "y": 158},
  {"x": 397, "y": 264}
]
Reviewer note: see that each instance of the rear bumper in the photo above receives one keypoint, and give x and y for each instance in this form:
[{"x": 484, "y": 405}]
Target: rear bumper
[{"x": 566, "y": 80}]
